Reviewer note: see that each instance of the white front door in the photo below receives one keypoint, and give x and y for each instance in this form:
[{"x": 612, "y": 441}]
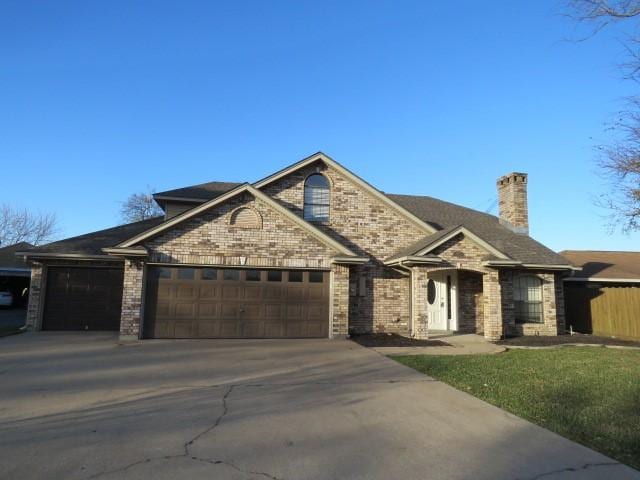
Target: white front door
[{"x": 442, "y": 300}]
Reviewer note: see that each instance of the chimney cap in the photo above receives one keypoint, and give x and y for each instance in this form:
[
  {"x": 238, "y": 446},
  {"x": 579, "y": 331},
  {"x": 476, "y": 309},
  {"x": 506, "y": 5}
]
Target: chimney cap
[{"x": 513, "y": 177}]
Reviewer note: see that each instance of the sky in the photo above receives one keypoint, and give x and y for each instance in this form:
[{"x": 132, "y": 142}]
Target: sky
[{"x": 99, "y": 100}]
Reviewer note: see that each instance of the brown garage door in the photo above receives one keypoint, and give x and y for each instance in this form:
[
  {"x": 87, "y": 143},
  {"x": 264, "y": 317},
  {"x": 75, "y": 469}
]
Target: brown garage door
[
  {"x": 232, "y": 303},
  {"x": 83, "y": 298}
]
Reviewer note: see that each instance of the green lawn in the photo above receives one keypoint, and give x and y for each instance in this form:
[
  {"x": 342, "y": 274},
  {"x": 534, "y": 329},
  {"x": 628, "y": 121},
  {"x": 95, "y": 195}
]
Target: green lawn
[{"x": 590, "y": 395}]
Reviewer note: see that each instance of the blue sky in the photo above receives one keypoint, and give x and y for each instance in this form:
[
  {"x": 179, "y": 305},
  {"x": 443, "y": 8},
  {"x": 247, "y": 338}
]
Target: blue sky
[{"x": 102, "y": 99}]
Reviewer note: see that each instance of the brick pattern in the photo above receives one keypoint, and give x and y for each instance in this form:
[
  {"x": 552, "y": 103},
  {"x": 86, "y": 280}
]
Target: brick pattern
[
  {"x": 36, "y": 296},
  {"x": 470, "y": 302},
  {"x": 340, "y": 301},
  {"x": 492, "y": 295},
  {"x": 132, "y": 292},
  {"x": 369, "y": 228},
  {"x": 512, "y": 201}
]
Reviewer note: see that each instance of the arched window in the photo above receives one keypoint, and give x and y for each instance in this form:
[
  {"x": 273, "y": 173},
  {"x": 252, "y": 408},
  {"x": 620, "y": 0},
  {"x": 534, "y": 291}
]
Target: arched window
[
  {"x": 316, "y": 198},
  {"x": 527, "y": 293},
  {"x": 246, "y": 218}
]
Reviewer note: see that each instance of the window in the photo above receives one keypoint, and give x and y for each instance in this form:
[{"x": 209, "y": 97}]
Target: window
[
  {"x": 295, "y": 276},
  {"x": 164, "y": 272},
  {"x": 316, "y": 277},
  {"x": 528, "y": 299},
  {"x": 186, "y": 274},
  {"x": 253, "y": 275},
  {"x": 316, "y": 198},
  {"x": 209, "y": 274},
  {"x": 431, "y": 291},
  {"x": 274, "y": 276},
  {"x": 231, "y": 275},
  {"x": 448, "y": 297}
]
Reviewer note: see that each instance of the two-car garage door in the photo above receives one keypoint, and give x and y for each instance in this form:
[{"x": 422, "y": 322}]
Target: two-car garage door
[{"x": 184, "y": 302}]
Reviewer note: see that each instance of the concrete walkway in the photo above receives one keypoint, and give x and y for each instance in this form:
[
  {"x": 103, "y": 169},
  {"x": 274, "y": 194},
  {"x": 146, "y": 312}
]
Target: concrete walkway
[
  {"x": 80, "y": 406},
  {"x": 458, "y": 345}
]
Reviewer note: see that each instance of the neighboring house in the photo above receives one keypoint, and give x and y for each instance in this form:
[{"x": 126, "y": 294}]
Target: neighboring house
[
  {"x": 15, "y": 272},
  {"x": 603, "y": 297},
  {"x": 310, "y": 251}
]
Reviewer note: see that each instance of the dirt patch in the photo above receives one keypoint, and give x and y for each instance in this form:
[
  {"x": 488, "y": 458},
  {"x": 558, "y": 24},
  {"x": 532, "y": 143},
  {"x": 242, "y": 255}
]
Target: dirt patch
[
  {"x": 394, "y": 340},
  {"x": 542, "y": 341}
]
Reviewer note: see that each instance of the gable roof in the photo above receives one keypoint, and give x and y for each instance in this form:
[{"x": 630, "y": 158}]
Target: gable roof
[
  {"x": 91, "y": 244},
  {"x": 197, "y": 193},
  {"x": 319, "y": 156},
  {"x": 445, "y": 215},
  {"x": 8, "y": 258},
  {"x": 604, "y": 265},
  {"x": 431, "y": 242},
  {"x": 304, "y": 225}
]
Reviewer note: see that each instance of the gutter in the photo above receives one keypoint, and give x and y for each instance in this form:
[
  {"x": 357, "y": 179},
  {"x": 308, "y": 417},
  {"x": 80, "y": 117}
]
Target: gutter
[
  {"x": 410, "y": 260},
  {"x": 603, "y": 280},
  {"x": 532, "y": 266},
  {"x": 350, "y": 260},
  {"x": 67, "y": 256},
  {"x": 128, "y": 252}
]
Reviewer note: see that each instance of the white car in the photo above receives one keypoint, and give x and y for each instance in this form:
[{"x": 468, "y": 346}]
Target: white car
[{"x": 6, "y": 299}]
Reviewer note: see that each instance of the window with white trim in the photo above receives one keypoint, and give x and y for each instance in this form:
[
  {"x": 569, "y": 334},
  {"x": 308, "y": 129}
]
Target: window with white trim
[
  {"x": 527, "y": 295},
  {"x": 316, "y": 198}
]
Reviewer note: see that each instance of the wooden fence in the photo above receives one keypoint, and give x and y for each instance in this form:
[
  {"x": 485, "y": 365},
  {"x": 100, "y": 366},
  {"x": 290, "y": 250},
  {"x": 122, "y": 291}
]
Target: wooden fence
[{"x": 601, "y": 309}]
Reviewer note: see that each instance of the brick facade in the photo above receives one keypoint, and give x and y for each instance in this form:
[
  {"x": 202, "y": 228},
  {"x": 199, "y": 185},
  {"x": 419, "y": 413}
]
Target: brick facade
[
  {"x": 36, "y": 296},
  {"x": 132, "y": 300}
]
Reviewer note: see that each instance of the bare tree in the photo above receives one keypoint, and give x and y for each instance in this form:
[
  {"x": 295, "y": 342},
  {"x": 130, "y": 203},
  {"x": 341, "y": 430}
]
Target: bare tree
[
  {"x": 139, "y": 206},
  {"x": 20, "y": 225},
  {"x": 620, "y": 160}
]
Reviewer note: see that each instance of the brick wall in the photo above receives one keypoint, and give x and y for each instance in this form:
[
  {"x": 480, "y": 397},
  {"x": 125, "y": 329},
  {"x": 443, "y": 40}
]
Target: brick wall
[
  {"x": 340, "y": 300},
  {"x": 370, "y": 228},
  {"x": 470, "y": 302},
  {"x": 133, "y": 287},
  {"x": 36, "y": 297}
]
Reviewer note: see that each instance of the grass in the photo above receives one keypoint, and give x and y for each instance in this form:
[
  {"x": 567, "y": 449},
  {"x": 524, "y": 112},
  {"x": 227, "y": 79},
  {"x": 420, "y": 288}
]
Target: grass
[{"x": 589, "y": 395}]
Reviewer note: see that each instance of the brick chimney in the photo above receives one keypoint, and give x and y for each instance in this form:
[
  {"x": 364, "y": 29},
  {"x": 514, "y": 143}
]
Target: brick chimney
[{"x": 512, "y": 199}]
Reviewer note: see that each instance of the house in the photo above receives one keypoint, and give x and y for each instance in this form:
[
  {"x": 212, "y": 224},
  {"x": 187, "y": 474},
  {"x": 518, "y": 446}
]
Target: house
[
  {"x": 603, "y": 297},
  {"x": 15, "y": 272},
  {"x": 312, "y": 250}
]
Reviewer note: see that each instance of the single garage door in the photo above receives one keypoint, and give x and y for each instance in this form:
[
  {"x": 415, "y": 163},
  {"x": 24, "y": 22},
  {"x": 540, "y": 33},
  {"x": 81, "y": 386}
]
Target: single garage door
[
  {"x": 83, "y": 298},
  {"x": 233, "y": 303}
]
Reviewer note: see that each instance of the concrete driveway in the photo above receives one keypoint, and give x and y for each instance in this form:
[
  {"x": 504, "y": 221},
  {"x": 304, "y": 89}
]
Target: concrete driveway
[{"x": 79, "y": 406}]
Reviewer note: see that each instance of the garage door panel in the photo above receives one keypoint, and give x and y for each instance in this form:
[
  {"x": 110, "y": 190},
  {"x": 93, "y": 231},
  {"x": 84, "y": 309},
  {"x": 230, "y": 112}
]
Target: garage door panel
[
  {"x": 236, "y": 304},
  {"x": 82, "y": 298}
]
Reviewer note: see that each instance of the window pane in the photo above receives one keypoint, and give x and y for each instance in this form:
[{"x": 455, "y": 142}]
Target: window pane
[
  {"x": 431, "y": 291},
  {"x": 253, "y": 275},
  {"x": 316, "y": 198},
  {"x": 231, "y": 274},
  {"x": 528, "y": 299},
  {"x": 186, "y": 273},
  {"x": 274, "y": 276},
  {"x": 209, "y": 274},
  {"x": 316, "y": 277},
  {"x": 164, "y": 272},
  {"x": 295, "y": 276}
]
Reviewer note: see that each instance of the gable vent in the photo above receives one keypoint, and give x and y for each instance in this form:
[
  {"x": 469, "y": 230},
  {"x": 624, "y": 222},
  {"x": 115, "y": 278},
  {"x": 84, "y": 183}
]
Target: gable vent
[{"x": 246, "y": 218}]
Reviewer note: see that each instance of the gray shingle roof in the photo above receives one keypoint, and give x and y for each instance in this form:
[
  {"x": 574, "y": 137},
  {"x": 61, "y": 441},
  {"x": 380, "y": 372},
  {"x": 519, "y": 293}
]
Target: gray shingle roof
[
  {"x": 93, "y": 243},
  {"x": 444, "y": 215},
  {"x": 203, "y": 191},
  {"x": 8, "y": 258},
  {"x": 605, "y": 264}
]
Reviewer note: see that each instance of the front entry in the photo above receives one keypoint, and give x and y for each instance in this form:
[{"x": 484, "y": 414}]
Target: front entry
[{"x": 442, "y": 300}]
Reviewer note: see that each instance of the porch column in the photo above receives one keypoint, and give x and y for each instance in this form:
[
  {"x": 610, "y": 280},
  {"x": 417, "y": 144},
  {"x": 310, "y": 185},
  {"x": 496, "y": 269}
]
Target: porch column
[
  {"x": 339, "y": 301},
  {"x": 420, "y": 328},
  {"x": 492, "y": 294},
  {"x": 130, "y": 318}
]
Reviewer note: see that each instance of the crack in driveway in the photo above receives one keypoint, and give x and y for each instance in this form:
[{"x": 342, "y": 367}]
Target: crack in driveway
[
  {"x": 187, "y": 446},
  {"x": 586, "y": 466}
]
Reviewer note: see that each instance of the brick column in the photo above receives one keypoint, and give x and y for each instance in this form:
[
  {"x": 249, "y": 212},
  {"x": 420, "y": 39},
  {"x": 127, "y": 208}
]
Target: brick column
[
  {"x": 492, "y": 294},
  {"x": 420, "y": 315},
  {"x": 340, "y": 301},
  {"x": 560, "y": 312},
  {"x": 130, "y": 319},
  {"x": 35, "y": 297}
]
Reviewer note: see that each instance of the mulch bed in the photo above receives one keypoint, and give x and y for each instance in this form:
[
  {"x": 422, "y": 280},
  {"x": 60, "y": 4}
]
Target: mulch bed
[
  {"x": 542, "y": 341},
  {"x": 394, "y": 340}
]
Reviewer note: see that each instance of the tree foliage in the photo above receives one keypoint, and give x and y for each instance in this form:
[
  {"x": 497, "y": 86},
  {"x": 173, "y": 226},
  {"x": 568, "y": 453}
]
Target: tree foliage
[
  {"x": 20, "y": 225},
  {"x": 620, "y": 159},
  {"x": 139, "y": 206}
]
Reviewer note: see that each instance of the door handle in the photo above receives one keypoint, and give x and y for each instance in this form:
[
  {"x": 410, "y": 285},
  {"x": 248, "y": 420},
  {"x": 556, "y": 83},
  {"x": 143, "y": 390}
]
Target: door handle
[{"x": 241, "y": 310}]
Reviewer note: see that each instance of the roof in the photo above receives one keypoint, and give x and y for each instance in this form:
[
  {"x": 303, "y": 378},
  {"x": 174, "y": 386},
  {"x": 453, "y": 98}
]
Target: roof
[
  {"x": 8, "y": 258},
  {"x": 93, "y": 243},
  {"x": 604, "y": 265},
  {"x": 445, "y": 215},
  {"x": 203, "y": 191}
]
